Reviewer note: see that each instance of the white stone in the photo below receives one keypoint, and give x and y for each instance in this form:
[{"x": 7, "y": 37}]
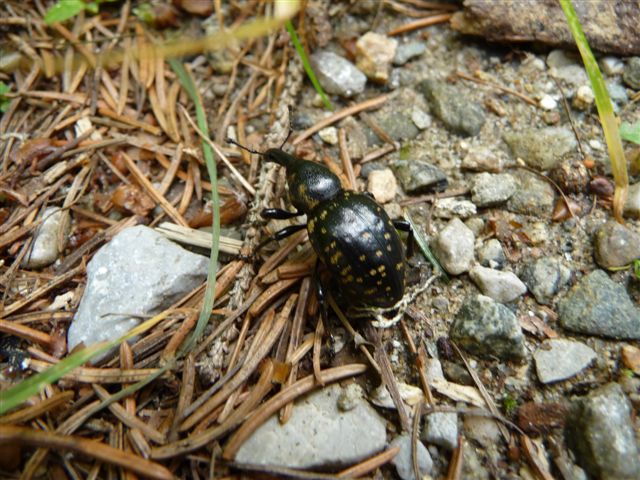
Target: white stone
[
  {"x": 374, "y": 55},
  {"x": 547, "y": 102},
  {"x": 420, "y": 118},
  {"x": 454, "y": 207},
  {"x": 632, "y": 205},
  {"x": 403, "y": 461},
  {"x": 503, "y": 287},
  {"x": 596, "y": 145},
  {"x": 454, "y": 247},
  {"x": 558, "y": 359},
  {"x": 584, "y": 97},
  {"x": 611, "y": 65},
  {"x": 441, "y": 428},
  {"x": 329, "y": 135}
]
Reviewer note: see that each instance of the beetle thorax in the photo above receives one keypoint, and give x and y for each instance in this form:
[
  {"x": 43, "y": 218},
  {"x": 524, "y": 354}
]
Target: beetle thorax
[{"x": 311, "y": 184}]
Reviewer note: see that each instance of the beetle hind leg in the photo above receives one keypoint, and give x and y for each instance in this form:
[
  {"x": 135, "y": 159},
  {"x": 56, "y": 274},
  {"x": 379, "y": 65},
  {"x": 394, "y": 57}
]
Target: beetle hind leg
[{"x": 405, "y": 226}]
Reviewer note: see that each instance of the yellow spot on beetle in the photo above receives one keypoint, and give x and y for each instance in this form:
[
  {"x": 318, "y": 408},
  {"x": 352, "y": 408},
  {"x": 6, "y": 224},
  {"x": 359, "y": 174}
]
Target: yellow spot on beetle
[
  {"x": 399, "y": 266},
  {"x": 359, "y": 280},
  {"x": 372, "y": 272},
  {"x": 381, "y": 268},
  {"x": 389, "y": 248},
  {"x": 323, "y": 215},
  {"x": 388, "y": 289},
  {"x": 387, "y": 236},
  {"x": 323, "y": 231},
  {"x": 379, "y": 283},
  {"x": 366, "y": 235},
  {"x": 378, "y": 253},
  {"x": 362, "y": 258},
  {"x": 345, "y": 271}
]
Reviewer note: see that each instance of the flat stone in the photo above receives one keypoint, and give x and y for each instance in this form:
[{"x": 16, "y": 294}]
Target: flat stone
[
  {"x": 483, "y": 430},
  {"x": 318, "y": 434},
  {"x": 441, "y": 428},
  {"x": 584, "y": 98},
  {"x": 482, "y": 160},
  {"x": 503, "y": 287},
  {"x": 632, "y": 204},
  {"x": 337, "y": 74},
  {"x": 558, "y": 359},
  {"x": 420, "y": 118},
  {"x": 453, "y": 247},
  {"x": 616, "y": 245},
  {"x": 599, "y": 306},
  {"x": 610, "y": 26},
  {"x": 138, "y": 273},
  {"x": 488, "y": 189},
  {"x": 453, "y": 207},
  {"x": 611, "y": 65},
  {"x": 329, "y": 135},
  {"x": 488, "y": 329},
  {"x": 374, "y": 54},
  {"x": 382, "y": 185},
  {"x": 600, "y": 432},
  {"x": 403, "y": 460},
  {"x": 407, "y": 51},
  {"x": 417, "y": 177},
  {"x": 533, "y": 196},
  {"x": 541, "y": 148},
  {"x": 50, "y": 238},
  {"x": 544, "y": 277},
  {"x": 453, "y": 107}
]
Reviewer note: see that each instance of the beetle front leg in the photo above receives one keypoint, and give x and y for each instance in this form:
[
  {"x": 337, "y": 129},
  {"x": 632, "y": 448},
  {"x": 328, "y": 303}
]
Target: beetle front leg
[
  {"x": 279, "y": 235},
  {"x": 405, "y": 226}
]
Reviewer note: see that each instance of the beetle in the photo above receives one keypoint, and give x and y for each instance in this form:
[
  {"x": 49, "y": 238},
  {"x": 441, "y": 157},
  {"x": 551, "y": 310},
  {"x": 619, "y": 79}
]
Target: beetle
[{"x": 350, "y": 232}]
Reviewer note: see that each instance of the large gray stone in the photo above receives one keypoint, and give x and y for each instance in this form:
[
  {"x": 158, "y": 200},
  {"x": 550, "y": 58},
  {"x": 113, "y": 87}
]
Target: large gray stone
[
  {"x": 318, "y": 434},
  {"x": 503, "y": 287},
  {"x": 541, "y": 148},
  {"x": 600, "y": 431},
  {"x": 487, "y": 328},
  {"x": 138, "y": 273},
  {"x": 599, "y": 306}
]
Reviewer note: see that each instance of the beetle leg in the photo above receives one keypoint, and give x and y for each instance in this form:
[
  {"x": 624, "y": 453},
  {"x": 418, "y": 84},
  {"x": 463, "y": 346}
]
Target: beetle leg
[
  {"x": 405, "y": 226},
  {"x": 320, "y": 292},
  {"x": 278, "y": 214},
  {"x": 279, "y": 235}
]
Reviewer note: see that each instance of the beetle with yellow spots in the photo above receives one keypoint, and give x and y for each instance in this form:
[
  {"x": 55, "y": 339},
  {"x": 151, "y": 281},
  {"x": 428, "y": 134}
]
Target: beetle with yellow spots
[{"x": 349, "y": 232}]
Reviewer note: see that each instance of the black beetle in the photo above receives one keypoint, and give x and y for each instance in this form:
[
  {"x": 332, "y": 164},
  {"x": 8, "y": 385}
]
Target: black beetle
[{"x": 351, "y": 234}]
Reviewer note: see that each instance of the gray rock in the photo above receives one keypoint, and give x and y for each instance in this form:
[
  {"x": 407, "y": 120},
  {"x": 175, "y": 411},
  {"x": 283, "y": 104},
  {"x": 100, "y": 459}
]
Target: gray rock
[
  {"x": 50, "y": 238},
  {"x": 558, "y": 58},
  {"x": 491, "y": 254},
  {"x": 611, "y": 65},
  {"x": 488, "y": 189},
  {"x": 420, "y": 118},
  {"x": 476, "y": 225},
  {"x": 139, "y": 272},
  {"x": 544, "y": 277},
  {"x": 503, "y": 287},
  {"x": 453, "y": 247},
  {"x": 618, "y": 94},
  {"x": 488, "y": 329},
  {"x": 453, "y": 207},
  {"x": 418, "y": 177},
  {"x": 558, "y": 359},
  {"x": 482, "y": 160},
  {"x": 452, "y": 106},
  {"x": 404, "y": 462},
  {"x": 575, "y": 75},
  {"x": 337, "y": 74},
  {"x": 350, "y": 397},
  {"x": 616, "y": 245},
  {"x": 407, "y": 51},
  {"x": 631, "y": 75},
  {"x": 599, "y": 306},
  {"x": 533, "y": 196},
  {"x": 318, "y": 434},
  {"x": 374, "y": 54},
  {"x": 541, "y": 148},
  {"x": 441, "y": 428},
  {"x": 397, "y": 123},
  {"x": 632, "y": 204},
  {"x": 482, "y": 429},
  {"x": 600, "y": 432},
  {"x": 382, "y": 185}
]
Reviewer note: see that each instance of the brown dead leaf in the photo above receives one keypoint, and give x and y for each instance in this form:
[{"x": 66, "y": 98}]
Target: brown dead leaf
[
  {"x": 195, "y": 7},
  {"x": 541, "y": 417},
  {"x": 130, "y": 198}
]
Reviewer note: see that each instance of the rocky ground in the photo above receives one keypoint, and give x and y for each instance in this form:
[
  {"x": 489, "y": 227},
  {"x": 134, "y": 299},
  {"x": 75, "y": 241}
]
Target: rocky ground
[{"x": 497, "y": 154}]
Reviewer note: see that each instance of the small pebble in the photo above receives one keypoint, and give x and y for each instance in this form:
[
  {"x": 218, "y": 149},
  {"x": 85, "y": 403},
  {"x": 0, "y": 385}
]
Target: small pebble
[
  {"x": 453, "y": 207},
  {"x": 584, "y": 98},
  {"x": 545, "y": 277},
  {"x": 611, "y": 65},
  {"x": 482, "y": 160},
  {"x": 453, "y": 247},
  {"x": 491, "y": 254},
  {"x": 403, "y": 461},
  {"x": 503, "y": 287},
  {"x": 616, "y": 245},
  {"x": 421, "y": 118},
  {"x": 547, "y": 102},
  {"x": 337, "y": 74},
  {"x": 632, "y": 205},
  {"x": 441, "y": 428},
  {"x": 382, "y": 184},
  {"x": 488, "y": 189},
  {"x": 50, "y": 238},
  {"x": 329, "y": 135},
  {"x": 407, "y": 51},
  {"x": 374, "y": 54},
  {"x": 631, "y": 75}
]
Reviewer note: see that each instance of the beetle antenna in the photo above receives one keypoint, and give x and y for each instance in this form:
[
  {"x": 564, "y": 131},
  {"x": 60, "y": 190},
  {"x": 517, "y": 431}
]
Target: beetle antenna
[
  {"x": 287, "y": 138},
  {"x": 232, "y": 141}
]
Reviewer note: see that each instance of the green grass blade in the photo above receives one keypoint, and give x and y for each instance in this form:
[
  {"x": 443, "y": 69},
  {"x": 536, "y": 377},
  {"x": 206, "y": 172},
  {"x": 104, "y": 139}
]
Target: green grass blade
[
  {"x": 424, "y": 247},
  {"x": 64, "y": 10},
  {"x": 307, "y": 66},
  {"x": 187, "y": 82},
  {"x": 605, "y": 110}
]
